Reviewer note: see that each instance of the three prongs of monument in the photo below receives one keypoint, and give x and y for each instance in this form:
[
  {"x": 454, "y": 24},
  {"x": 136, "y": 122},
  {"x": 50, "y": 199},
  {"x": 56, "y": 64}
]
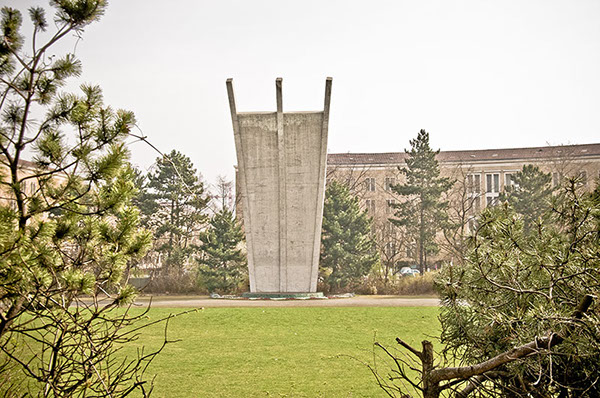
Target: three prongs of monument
[{"x": 281, "y": 168}]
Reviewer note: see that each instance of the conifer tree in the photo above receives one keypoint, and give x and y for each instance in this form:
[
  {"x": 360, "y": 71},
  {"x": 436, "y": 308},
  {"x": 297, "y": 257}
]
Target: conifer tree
[
  {"x": 178, "y": 205},
  {"x": 519, "y": 316},
  {"x": 421, "y": 210},
  {"x": 348, "y": 251},
  {"x": 67, "y": 226},
  {"x": 530, "y": 194},
  {"x": 222, "y": 261}
]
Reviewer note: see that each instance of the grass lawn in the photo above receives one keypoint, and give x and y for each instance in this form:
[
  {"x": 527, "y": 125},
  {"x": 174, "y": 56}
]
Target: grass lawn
[{"x": 279, "y": 352}]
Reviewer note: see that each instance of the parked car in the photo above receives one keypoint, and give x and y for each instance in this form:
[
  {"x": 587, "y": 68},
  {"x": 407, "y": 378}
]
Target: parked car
[{"x": 409, "y": 271}]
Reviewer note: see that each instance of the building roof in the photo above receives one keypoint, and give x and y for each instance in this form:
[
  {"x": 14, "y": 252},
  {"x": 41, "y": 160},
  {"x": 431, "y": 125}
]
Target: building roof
[
  {"x": 22, "y": 162},
  {"x": 546, "y": 152}
]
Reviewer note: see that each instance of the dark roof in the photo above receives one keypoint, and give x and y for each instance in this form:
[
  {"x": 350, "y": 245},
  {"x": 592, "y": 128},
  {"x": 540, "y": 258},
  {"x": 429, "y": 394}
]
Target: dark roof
[
  {"x": 544, "y": 152},
  {"x": 27, "y": 163}
]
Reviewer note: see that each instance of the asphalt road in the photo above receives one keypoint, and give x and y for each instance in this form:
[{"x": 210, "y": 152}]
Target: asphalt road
[{"x": 357, "y": 301}]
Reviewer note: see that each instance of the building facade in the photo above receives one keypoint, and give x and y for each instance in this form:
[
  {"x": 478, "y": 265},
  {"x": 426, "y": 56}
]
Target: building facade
[{"x": 480, "y": 175}]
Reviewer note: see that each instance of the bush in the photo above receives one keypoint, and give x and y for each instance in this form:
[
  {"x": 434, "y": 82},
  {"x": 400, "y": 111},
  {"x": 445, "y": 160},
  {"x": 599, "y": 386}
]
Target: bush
[
  {"x": 407, "y": 285},
  {"x": 206, "y": 284},
  {"x": 414, "y": 285},
  {"x": 173, "y": 283}
]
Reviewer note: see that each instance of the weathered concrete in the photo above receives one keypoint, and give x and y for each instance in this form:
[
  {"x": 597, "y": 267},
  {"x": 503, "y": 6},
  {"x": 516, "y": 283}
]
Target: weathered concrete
[{"x": 281, "y": 162}]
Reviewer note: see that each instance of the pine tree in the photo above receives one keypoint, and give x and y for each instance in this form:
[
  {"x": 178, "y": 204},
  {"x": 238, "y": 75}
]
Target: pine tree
[
  {"x": 222, "y": 263},
  {"x": 521, "y": 285},
  {"x": 421, "y": 211},
  {"x": 530, "y": 194},
  {"x": 519, "y": 316},
  {"x": 67, "y": 226},
  {"x": 178, "y": 213},
  {"x": 348, "y": 251}
]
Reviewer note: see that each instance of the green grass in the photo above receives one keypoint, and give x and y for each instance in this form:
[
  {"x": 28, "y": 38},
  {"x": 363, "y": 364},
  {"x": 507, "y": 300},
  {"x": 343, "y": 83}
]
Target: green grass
[{"x": 279, "y": 352}]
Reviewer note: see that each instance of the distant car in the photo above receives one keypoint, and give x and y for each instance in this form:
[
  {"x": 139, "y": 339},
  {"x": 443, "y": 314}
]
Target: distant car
[
  {"x": 405, "y": 270},
  {"x": 408, "y": 271}
]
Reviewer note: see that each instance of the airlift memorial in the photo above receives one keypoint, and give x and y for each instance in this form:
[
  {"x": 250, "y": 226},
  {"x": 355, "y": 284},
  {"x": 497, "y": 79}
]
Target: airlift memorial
[{"x": 281, "y": 164}]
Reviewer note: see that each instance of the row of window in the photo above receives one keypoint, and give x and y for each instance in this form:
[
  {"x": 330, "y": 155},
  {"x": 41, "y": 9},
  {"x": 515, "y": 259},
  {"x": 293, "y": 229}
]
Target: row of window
[
  {"x": 473, "y": 182},
  {"x": 582, "y": 178},
  {"x": 492, "y": 182},
  {"x": 387, "y": 186},
  {"x": 474, "y": 188}
]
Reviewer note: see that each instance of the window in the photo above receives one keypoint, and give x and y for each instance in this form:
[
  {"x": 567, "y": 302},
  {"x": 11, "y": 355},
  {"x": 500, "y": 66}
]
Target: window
[
  {"x": 474, "y": 190},
  {"x": 370, "y": 204},
  {"x": 370, "y": 184},
  {"x": 492, "y": 188},
  {"x": 389, "y": 181},
  {"x": 389, "y": 209},
  {"x": 474, "y": 183},
  {"x": 509, "y": 180},
  {"x": 492, "y": 183}
]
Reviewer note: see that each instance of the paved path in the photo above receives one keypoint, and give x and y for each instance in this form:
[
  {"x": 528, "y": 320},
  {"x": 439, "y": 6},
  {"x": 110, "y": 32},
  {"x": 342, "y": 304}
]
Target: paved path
[{"x": 358, "y": 301}]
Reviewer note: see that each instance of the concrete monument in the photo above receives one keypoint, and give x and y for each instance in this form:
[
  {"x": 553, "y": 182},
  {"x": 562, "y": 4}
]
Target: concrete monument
[{"x": 281, "y": 167}]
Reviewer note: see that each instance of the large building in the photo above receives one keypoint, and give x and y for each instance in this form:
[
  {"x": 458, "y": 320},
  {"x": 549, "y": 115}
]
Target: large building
[{"x": 480, "y": 175}]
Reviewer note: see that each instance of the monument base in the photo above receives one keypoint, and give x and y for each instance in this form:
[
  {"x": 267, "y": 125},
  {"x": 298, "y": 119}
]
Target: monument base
[{"x": 284, "y": 295}]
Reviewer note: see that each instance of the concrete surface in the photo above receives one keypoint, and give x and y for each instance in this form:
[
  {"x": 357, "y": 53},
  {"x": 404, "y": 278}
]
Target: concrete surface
[{"x": 281, "y": 164}]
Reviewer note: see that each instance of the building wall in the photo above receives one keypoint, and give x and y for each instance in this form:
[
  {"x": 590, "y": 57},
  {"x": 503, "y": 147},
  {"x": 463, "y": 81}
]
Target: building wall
[
  {"x": 29, "y": 186},
  {"x": 482, "y": 175},
  {"x": 28, "y": 176}
]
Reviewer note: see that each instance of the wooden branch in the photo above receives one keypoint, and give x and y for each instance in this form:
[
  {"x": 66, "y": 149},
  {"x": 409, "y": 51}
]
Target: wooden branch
[
  {"x": 416, "y": 353},
  {"x": 465, "y": 372},
  {"x": 473, "y": 385}
]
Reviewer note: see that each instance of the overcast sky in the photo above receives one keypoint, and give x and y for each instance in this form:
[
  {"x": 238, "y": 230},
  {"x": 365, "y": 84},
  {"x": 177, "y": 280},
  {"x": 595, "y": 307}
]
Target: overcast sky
[{"x": 475, "y": 74}]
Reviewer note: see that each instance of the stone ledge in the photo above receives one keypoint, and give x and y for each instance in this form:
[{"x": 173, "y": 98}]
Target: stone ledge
[{"x": 283, "y": 295}]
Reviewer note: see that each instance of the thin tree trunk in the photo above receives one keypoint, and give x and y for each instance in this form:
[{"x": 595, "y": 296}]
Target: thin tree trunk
[{"x": 421, "y": 239}]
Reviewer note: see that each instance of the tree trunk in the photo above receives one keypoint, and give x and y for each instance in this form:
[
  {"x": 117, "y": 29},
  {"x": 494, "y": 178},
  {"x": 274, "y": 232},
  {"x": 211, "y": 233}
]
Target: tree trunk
[
  {"x": 431, "y": 387},
  {"x": 421, "y": 241}
]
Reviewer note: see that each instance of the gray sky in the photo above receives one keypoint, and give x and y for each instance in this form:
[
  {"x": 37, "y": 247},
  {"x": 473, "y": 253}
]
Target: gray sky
[{"x": 475, "y": 74}]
